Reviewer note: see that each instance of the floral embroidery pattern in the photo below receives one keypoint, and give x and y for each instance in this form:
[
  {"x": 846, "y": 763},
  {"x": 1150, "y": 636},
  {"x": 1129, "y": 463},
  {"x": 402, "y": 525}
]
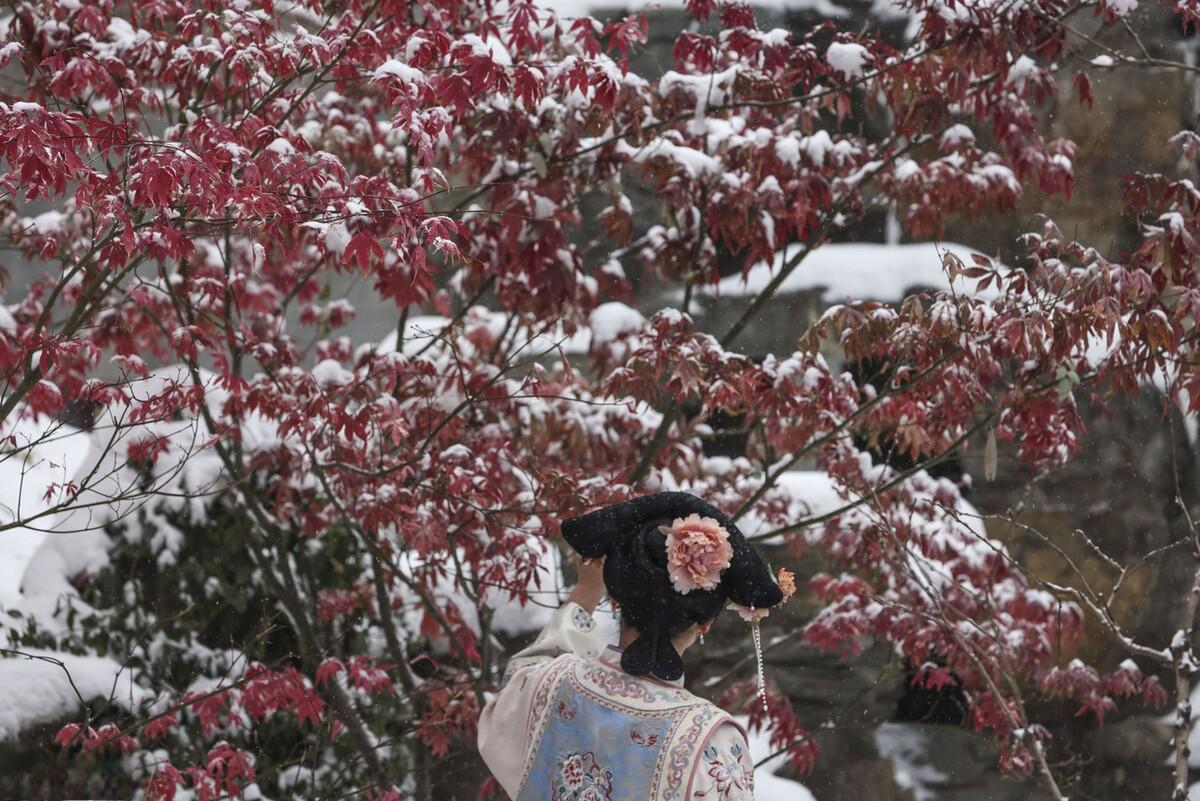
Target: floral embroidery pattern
[
  {"x": 646, "y": 741},
  {"x": 684, "y": 749},
  {"x": 582, "y": 778},
  {"x": 615, "y": 684},
  {"x": 728, "y": 775},
  {"x": 661, "y": 759},
  {"x": 541, "y": 698},
  {"x": 582, "y": 620}
]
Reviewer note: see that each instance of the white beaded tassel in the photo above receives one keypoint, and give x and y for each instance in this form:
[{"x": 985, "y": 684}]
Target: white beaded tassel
[{"x": 758, "y": 654}]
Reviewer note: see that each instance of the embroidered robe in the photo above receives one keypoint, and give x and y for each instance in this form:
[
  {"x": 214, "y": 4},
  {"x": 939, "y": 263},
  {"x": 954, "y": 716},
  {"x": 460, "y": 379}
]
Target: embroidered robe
[{"x": 567, "y": 724}]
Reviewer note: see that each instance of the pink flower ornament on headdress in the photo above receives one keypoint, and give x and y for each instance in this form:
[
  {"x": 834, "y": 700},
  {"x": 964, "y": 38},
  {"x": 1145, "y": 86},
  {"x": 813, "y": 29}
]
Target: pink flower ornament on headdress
[
  {"x": 786, "y": 581},
  {"x": 698, "y": 550}
]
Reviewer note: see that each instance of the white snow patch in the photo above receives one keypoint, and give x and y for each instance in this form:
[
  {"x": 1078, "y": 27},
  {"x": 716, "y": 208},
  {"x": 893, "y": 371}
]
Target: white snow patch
[
  {"x": 822, "y": 8},
  {"x": 569, "y": 9},
  {"x": 848, "y": 58},
  {"x": 905, "y": 169},
  {"x": 419, "y": 331},
  {"x": 706, "y": 87},
  {"x": 811, "y": 492},
  {"x": 48, "y": 453},
  {"x": 611, "y": 320},
  {"x": 854, "y": 270},
  {"x": 399, "y": 70},
  {"x": 818, "y": 147},
  {"x": 281, "y": 147},
  {"x": 46, "y": 223},
  {"x": 509, "y": 616},
  {"x": 39, "y": 557},
  {"x": 1022, "y": 70},
  {"x": 1121, "y": 8},
  {"x": 907, "y": 746},
  {"x": 123, "y": 36},
  {"x": 330, "y": 372},
  {"x": 1193, "y": 737},
  {"x": 34, "y": 691},
  {"x": 692, "y": 161},
  {"x": 337, "y": 237},
  {"x": 957, "y": 135}
]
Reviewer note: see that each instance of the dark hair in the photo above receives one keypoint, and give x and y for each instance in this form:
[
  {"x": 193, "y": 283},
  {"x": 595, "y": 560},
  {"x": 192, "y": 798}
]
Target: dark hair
[{"x": 635, "y": 573}]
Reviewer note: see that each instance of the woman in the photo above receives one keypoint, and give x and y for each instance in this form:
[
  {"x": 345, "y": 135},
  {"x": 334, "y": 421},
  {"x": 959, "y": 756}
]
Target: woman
[{"x": 574, "y": 720}]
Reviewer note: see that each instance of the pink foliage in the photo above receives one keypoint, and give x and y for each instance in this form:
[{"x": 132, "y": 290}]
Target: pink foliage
[{"x": 215, "y": 167}]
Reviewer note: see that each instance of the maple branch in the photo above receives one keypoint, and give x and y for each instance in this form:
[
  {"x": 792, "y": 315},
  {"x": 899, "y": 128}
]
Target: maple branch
[
  {"x": 949, "y": 619},
  {"x": 897, "y": 479},
  {"x": 82, "y": 313},
  {"x": 772, "y": 477},
  {"x": 671, "y": 412},
  {"x": 1086, "y": 598},
  {"x": 1183, "y": 666},
  {"x": 285, "y": 590},
  {"x": 60, "y": 664}
]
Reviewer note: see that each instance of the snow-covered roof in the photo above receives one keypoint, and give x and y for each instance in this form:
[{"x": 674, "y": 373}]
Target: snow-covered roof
[
  {"x": 578, "y": 8},
  {"x": 606, "y": 322},
  {"x": 854, "y": 271}
]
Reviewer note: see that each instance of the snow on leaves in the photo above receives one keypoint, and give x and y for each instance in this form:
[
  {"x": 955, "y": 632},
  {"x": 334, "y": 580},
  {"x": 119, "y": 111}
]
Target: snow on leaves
[
  {"x": 90, "y": 739},
  {"x": 214, "y": 171}
]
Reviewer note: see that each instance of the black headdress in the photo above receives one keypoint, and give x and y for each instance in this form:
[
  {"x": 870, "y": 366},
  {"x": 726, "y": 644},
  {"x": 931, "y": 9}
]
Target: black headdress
[{"x": 635, "y": 573}]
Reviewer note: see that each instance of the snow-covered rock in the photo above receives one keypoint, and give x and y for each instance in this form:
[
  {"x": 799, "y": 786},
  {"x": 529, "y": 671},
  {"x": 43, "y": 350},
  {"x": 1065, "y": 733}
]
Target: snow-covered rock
[
  {"x": 45, "y": 454},
  {"x": 34, "y": 690},
  {"x": 908, "y": 749}
]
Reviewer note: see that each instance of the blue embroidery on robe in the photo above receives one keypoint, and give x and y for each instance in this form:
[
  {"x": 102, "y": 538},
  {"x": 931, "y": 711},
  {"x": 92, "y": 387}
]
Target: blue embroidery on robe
[
  {"x": 582, "y": 620},
  {"x": 728, "y": 775},
  {"x": 591, "y": 752}
]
